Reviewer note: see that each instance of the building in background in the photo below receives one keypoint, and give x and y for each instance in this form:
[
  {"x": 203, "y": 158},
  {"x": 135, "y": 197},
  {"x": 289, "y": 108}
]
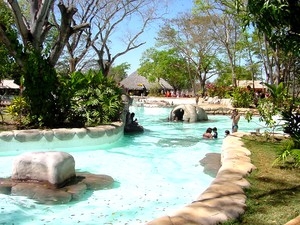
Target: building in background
[
  {"x": 138, "y": 85},
  {"x": 8, "y": 90}
]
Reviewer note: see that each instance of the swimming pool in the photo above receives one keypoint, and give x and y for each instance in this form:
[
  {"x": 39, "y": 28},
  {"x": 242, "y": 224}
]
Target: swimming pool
[{"x": 156, "y": 172}]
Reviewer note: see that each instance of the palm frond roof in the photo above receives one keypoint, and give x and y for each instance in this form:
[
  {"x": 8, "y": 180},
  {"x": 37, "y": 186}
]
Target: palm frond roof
[
  {"x": 9, "y": 84},
  {"x": 137, "y": 82}
]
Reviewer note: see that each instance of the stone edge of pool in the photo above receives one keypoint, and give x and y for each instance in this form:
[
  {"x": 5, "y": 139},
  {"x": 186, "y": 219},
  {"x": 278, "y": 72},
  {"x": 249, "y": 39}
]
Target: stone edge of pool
[
  {"x": 225, "y": 198},
  {"x": 112, "y": 131}
]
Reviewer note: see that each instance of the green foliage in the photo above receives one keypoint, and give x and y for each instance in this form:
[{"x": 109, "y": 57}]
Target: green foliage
[
  {"x": 8, "y": 67},
  {"x": 155, "y": 90},
  {"x": 18, "y": 110},
  {"x": 225, "y": 77},
  {"x": 292, "y": 125},
  {"x": 288, "y": 155},
  {"x": 41, "y": 92},
  {"x": 222, "y": 91},
  {"x": 248, "y": 116},
  {"x": 94, "y": 99},
  {"x": 242, "y": 98},
  {"x": 275, "y": 104},
  {"x": 279, "y": 20},
  {"x": 167, "y": 64},
  {"x": 267, "y": 110},
  {"x": 118, "y": 73},
  {"x": 280, "y": 103},
  {"x": 279, "y": 95}
]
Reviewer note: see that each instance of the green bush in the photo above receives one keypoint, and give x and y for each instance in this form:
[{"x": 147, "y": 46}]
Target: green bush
[
  {"x": 213, "y": 90},
  {"x": 292, "y": 124},
  {"x": 288, "y": 155},
  {"x": 18, "y": 110},
  {"x": 93, "y": 99},
  {"x": 242, "y": 98}
]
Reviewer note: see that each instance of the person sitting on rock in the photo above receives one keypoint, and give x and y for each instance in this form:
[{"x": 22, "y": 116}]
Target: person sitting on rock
[{"x": 133, "y": 121}]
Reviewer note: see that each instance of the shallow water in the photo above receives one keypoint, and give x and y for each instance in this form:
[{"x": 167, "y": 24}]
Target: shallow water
[{"x": 156, "y": 173}]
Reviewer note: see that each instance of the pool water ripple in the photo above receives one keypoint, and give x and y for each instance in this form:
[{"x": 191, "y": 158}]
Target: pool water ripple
[{"x": 156, "y": 173}]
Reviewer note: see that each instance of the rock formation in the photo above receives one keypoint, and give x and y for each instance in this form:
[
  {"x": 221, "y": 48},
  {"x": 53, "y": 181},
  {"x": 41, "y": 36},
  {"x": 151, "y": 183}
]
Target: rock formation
[
  {"x": 188, "y": 113},
  {"x": 50, "y": 178}
]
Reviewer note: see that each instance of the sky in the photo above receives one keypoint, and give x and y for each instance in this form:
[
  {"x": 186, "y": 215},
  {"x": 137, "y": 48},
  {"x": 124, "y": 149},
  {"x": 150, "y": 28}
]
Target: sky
[{"x": 133, "y": 57}]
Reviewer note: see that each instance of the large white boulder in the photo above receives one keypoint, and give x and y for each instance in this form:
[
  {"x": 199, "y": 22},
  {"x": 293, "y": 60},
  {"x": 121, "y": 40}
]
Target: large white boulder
[
  {"x": 191, "y": 113},
  {"x": 53, "y": 166}
]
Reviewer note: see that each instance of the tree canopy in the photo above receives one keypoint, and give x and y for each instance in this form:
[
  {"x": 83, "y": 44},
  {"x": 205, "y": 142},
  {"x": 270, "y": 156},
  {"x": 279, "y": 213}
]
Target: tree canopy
[
  {"x": 166, "y": 64},
  {"x": 280, "y": 21}
]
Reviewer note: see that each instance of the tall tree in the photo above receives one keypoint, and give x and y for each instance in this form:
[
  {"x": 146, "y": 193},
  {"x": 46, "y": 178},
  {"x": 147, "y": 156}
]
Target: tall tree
[
  {"x": 191, "y": 36},
  {"x": 279, "y": 22},
  {"x": 226, "y": 27},
  {"x": 32, "y": 53},
  {"x": 119, "y": 72},
  {"x": 34, "y": 30},
  {"x": 8, "y": 67},
  {"x": 116, "y": 16},
  {"x": 166, "y": 64},
  {"x": 79, "y": 43},
  {"x": 111, "y": 21}
]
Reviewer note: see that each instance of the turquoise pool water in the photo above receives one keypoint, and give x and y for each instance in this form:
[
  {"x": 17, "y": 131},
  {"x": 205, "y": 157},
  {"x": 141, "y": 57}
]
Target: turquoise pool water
[{"x": 156, "y": 173}]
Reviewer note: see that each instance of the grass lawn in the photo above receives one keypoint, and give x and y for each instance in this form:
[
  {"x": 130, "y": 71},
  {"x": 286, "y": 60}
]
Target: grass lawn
[{"x": 274, "y": 195}]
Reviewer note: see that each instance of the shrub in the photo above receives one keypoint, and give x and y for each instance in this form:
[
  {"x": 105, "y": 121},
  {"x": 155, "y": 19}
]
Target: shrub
[
  {"x": 93, "y": 99},
  {"x": 218, "y": 90},
  {"x": 288, "y": 155},
  {"x": 18, "y": 110},
  {"x": 242, "y": 98}
]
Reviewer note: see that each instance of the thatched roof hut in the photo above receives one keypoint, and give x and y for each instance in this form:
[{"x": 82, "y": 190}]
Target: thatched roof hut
[
  {"x": 139, "y": 84},
  {"x": 8, "y": 90},
  {"x": 8, "y": 84},
  {"x": 258, "y": 85}
]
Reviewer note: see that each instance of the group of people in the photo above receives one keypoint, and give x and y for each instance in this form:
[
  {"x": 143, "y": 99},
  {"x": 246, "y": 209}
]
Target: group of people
[{"x": 212, "y": 133}]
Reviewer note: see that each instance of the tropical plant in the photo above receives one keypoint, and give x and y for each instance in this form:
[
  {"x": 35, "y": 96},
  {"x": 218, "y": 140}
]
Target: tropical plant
[
  {"x": 42, "y": 92},
  {"x": 242, "y": 98},
  {"x": 94, "y": 99},
  {"x": 288, "y": 154},
  {"x": 18, "y": 110},
  {"x": 276, "y": 103},
  {"x": 292, "y": 124},
  {"x": 165, "y": 64},
  {"x": 221, "y": 91}
]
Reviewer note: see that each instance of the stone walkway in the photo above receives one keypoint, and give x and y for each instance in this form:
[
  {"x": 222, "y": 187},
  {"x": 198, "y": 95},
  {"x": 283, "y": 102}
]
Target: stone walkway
[{"x": 224, "y": 199}]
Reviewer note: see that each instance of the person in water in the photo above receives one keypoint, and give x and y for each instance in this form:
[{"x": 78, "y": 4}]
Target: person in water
[
  {"x": 227, "y": 132},
  {"x": 215, "y": 132},
  {"x": 208, "y": 134},
  {"x": 235, "y": 117}
]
